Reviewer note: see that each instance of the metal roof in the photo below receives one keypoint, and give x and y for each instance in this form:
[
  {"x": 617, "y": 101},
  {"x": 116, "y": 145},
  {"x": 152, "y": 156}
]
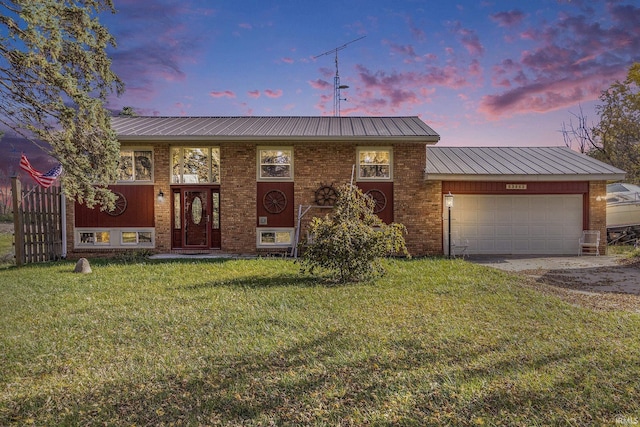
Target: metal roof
[
  {"x": 513, "y": 163},
  {"x": 405, "y": 129}
]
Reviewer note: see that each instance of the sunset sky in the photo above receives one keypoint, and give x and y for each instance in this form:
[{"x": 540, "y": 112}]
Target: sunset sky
[{"x": 479, "y": 72}]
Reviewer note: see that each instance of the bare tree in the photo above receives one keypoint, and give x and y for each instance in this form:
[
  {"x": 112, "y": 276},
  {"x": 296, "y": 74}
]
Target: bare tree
[{"x": 578, "y": 134}]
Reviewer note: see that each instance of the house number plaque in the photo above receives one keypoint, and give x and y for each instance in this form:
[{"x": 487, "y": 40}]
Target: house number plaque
[{"x": 516, "y": 186}]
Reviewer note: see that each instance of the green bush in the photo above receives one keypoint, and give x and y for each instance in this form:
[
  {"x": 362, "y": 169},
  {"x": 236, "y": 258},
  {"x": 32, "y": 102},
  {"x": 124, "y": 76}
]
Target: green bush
[{"x": 351, "y": 241}]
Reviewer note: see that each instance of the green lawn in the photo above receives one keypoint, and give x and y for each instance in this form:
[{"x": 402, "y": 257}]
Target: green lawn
[
  {"x": 252, "y": 342},
  {"x": 6, "y": 248}
]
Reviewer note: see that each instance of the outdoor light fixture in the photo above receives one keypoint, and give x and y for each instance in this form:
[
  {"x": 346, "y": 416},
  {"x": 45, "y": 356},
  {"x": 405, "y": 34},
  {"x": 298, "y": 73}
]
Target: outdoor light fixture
[
  {"x": 448, "y": 202},
  {"x": 160, "y": 196}
]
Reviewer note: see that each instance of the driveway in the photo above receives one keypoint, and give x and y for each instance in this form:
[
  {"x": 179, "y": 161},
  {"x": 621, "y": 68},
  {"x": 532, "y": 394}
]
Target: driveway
[
  {"x": 586, "y": 273},
  {"x": 599, "y": 282}
]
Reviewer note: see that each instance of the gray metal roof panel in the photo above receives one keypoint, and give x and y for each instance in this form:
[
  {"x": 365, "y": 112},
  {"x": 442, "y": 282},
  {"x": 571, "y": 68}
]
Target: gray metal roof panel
[
  {"x": 272, "y": 127},
  {"x": 476, "y": 163}
]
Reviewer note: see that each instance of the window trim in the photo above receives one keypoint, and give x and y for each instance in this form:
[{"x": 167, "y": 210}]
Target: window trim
[
  {"x": 210, "y": 148},
  {"x": 261, "y": 230},
  {"x": 374, "y": 148},
  {"x": 153, "y": 163},
  {"x": 260, "y": 149},
  {"x": 115, "y": 238}
]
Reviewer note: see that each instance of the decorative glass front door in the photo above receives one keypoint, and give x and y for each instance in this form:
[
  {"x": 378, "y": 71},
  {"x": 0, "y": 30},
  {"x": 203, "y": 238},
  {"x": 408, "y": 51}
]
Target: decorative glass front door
[
  {"x": 196, "y": 218},
  {"x": 196, "y": 213}
]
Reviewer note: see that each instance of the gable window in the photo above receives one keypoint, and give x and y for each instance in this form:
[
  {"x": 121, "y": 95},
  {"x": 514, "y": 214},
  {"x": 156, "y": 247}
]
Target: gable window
[
  {"x": 374, "y": 163},
  {"x": 197, "y": 165},
  {"x": 275, "y": 164},
  {"x": 135, "y": 165}
]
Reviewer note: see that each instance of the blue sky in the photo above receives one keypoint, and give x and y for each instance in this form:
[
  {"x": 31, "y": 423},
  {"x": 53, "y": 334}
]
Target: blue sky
[{"x": 481, "y": 73}]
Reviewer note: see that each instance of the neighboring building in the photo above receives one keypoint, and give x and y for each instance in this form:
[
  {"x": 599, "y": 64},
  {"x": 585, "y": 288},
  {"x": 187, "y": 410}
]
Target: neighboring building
[{"x": 251, "y": 184}]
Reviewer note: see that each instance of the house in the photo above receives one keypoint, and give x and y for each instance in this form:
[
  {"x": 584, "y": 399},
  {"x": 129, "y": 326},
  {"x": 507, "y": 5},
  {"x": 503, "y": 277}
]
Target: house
[{"x": 250, "y": 185}]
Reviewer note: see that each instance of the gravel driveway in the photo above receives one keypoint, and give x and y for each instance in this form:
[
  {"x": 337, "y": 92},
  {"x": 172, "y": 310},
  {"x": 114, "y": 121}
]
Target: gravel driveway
[{"x": 602, "y": 282}]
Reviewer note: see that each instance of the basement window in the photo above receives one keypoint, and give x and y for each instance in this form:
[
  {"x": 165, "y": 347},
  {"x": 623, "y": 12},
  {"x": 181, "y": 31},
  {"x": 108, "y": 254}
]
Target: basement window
[
  {"x": 275, "y": 237},
  {"x": 122, "y": 238}
]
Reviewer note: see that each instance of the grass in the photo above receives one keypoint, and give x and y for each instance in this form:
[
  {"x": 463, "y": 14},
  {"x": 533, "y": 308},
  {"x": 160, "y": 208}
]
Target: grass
[
  {"x": 6, "y": 248},
  {"x": 253, "y": 342}
]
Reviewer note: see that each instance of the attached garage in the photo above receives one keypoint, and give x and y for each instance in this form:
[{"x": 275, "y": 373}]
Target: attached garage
[
  {"x": 526, "y": 224},
  {"x": 520, "y": 200}
]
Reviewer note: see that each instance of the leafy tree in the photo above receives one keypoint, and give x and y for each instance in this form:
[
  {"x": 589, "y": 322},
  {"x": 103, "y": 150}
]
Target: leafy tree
[
  {"x": 350, "y": 242},
  {"x": 55, "y": 76},
  {"x": 615, "y": 139},
  {"x": 618, "y": 133},
  {"x": 127, "y": 111}
]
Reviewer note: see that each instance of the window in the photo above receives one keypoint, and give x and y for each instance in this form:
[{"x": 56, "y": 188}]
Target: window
[
  {"x": 95, "y": 238},
  {"x": 275, "y": 237},
  {"x": 275, "y": 164},
  {"x": 136, "y": 237},
  {"x": 374, "y": 163},
  {"x": 199, "y": 165},
  {"x": 127, "y": 238},
  {"x": 135, "y": 165}
]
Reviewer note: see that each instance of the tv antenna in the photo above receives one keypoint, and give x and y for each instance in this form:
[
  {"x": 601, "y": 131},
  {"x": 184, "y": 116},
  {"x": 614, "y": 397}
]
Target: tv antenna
[{"x": 336, "y": 80}]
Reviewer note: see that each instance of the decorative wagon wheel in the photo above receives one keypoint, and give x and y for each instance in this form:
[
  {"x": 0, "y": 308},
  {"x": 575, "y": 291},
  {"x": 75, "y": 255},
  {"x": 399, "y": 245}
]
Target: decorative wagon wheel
[
  {"x": 120, "y": 205},
  {"x": 274, "y": 201},
  {"x": 326, "y": 195},
  {"x": 380, "y": 199}
]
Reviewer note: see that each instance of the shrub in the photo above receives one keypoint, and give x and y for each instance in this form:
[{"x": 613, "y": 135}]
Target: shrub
[{"x": 350, "y": 242}]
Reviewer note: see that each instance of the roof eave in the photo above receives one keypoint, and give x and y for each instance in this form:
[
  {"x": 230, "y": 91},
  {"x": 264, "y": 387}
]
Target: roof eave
[
  {"x": 300, "y": 139},
  {"x": 524, "y": 178}
]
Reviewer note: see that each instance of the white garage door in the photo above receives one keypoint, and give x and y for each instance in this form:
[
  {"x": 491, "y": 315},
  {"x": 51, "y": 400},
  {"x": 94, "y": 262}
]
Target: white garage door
[{"x": 509, "y": 225}]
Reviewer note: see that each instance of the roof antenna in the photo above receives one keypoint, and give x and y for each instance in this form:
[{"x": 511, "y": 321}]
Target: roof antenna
[{"x": 336, "y": 80}]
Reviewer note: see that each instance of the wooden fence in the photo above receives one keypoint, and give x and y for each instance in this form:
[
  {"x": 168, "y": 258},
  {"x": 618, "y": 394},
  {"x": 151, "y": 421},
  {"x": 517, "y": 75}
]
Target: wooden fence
[{"x": 37, "y": 218}]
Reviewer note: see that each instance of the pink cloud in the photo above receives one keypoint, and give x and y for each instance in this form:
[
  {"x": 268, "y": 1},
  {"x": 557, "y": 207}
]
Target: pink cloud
[
  {"x": 571, "y": 60},
  {"x": 468, "y": 38},
  {"x": 508, "y": 19},
  {"x": 254, "y": 94},
  {"x": 403, "y": 50},
  {"x": 287, "y": 60},
  {"x": 273, "y": 93},
  {"x": 245, "y": 26},
  {"x": 223, "y": 94},
  {"x": 542, "y": 96},
  {"x": 320, "y": 84},
  {"x": 395, "y": 91}
]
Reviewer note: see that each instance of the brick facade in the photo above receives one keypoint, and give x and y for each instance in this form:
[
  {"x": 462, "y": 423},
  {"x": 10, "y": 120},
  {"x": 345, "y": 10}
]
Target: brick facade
[{"x": 417, "y": 202}]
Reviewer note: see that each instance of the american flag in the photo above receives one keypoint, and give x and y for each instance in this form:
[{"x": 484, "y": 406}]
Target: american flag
[{"x": 43, "y": 179}]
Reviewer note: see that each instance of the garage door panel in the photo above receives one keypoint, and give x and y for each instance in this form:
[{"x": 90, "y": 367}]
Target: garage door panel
[
  {"x": 486, "y": 231},
  {"x": 520, "y": 230},
  {"x": 522, "y": 224}
]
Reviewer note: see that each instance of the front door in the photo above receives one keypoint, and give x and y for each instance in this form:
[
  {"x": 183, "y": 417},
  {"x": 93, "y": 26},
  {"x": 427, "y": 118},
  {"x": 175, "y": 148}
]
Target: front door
[{"x": 198, "y": 227}]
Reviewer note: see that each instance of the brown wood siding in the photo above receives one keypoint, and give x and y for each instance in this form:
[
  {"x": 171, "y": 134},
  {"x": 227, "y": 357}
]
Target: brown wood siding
[
  {"x": 386, "y": 188},
  {"x": 532, "y": 187},
  {"x": 281, "y": 219},
  {"x": 138, "y": 213}
]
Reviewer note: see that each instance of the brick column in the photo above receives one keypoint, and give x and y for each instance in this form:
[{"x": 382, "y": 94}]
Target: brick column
[
  {"x": 238, "y": 217},
  {"x": 162, "y": 210},
  {"x": 598, "y": 211},
  {"x": 417, "y": 203}
]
